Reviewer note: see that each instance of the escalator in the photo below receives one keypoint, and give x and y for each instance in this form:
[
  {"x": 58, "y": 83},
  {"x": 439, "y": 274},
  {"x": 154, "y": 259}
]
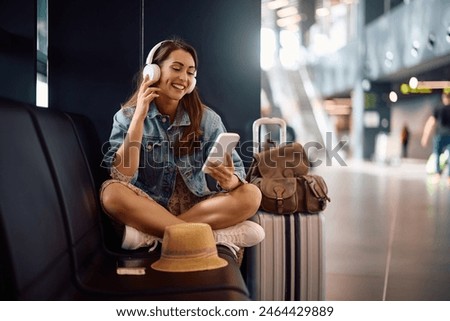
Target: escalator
[{"x": 295, "y": 101}]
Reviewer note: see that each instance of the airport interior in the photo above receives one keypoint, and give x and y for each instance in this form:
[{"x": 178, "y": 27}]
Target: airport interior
[{"x": 349, "y": 77}]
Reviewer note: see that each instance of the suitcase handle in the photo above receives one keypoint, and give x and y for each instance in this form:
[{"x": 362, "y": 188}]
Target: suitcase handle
[{"x": 267, "y": 121}]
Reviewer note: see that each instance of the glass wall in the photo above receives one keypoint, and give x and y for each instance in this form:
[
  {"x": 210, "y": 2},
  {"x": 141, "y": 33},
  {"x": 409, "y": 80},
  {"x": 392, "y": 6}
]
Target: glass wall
[{"x": 41, "y": 54}]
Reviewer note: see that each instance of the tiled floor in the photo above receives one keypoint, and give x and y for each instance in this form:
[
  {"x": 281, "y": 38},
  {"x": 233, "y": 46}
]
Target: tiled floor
[{"x": 387, "y": 233}]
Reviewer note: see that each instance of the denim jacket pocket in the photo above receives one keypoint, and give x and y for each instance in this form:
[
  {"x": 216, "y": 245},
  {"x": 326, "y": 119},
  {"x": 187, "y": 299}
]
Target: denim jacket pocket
[
  {"x": 154, "y": 158},
  {"x": 195, "y": 180}
]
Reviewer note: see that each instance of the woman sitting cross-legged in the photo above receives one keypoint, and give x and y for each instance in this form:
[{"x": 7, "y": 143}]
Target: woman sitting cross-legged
[{"x": 159, "y": 141}]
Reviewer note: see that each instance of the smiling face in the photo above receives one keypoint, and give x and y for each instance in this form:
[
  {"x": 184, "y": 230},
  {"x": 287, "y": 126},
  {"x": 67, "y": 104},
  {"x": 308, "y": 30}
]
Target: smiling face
[{"x": 177, "y": 74}]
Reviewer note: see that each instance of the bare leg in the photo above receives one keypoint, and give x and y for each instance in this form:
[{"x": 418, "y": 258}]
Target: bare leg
[
  {"x": 225, "y": 209},
  {"x": 220, "y": 211},
  {"x": 137, "y": 211}
]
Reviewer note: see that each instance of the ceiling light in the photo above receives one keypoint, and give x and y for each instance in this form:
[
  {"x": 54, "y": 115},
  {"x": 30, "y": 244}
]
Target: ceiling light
[
  {"x": 366, "y": 85},
  {"x": 322, "y": 12},
  {"x": 286, "y": 12},
  {"x": 413, "y": 82},
  {"x": 389, "y": 57},
  {"x": 393, "y": 97},
  {"x": 273, "y": 5},
  {"x": 284, "y": 22}
]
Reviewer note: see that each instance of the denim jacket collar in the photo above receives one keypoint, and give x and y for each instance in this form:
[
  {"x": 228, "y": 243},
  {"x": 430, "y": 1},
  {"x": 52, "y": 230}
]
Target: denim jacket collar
[{"x": 181, "y": 117}]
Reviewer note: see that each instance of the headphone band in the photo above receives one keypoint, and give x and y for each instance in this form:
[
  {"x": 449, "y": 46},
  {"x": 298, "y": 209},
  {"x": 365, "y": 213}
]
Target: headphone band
[{"x": 152, "y": 52}]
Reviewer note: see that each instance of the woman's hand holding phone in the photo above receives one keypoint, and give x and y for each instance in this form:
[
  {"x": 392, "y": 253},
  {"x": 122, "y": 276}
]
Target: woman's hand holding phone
[
  {"x": 219, "y": 163},
  {"x": 223, "y": 173}
]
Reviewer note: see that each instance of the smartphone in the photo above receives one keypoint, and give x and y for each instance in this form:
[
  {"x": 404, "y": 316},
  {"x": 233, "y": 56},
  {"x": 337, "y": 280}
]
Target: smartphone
[
  {"x": 131, "y": 266},
  {"x": 224, "y": 144}
]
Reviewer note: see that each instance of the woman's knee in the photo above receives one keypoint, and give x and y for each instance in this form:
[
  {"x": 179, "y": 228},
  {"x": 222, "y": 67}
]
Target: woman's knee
[
  {"x": 110, "y": 196},
  {"x": 250, "y": 196}
]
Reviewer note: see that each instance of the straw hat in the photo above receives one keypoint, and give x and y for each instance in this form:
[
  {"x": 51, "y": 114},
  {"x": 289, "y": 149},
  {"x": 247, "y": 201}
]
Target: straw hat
[{"x": 188, "y": 247}]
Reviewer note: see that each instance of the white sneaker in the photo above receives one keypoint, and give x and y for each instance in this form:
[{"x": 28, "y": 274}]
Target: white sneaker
[
  {"x": 245, "y": 234},
  {"x": 134, "y": 239}
]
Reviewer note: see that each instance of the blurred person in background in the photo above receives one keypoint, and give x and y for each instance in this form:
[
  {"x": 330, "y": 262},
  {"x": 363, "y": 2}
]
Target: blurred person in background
[{"x": 439, "y": 123}]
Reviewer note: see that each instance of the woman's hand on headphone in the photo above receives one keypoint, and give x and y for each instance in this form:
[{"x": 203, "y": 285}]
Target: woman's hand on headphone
[{"x": 146, "y": 95}]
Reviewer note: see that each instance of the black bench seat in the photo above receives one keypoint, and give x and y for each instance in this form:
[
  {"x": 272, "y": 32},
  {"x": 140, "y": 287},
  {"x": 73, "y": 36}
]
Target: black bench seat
[{"x": 54, "y": 242}]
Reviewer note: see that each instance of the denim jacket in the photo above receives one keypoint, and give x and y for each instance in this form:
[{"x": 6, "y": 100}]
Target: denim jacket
[{"x": 158, "y": 165}]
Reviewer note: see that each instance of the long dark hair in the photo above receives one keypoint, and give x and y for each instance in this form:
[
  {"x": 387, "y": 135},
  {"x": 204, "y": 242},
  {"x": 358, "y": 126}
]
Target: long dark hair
[{"x": 190, "y": 139}]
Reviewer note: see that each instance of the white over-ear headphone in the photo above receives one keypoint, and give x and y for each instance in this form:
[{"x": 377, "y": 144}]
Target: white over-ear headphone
[{"x": 154, "y": 72}]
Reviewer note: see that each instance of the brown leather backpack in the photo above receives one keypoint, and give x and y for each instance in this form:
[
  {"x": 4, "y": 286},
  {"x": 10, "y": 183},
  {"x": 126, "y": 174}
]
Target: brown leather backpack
[{"x": 281, "y": 173}]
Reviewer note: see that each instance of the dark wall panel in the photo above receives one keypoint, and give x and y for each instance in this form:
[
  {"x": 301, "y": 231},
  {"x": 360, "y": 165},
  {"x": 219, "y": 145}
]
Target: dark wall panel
[
  {"x": 226, "y": 35},
  {"x": 18, "y": 50},
  {"x": 93, "y": 54}
]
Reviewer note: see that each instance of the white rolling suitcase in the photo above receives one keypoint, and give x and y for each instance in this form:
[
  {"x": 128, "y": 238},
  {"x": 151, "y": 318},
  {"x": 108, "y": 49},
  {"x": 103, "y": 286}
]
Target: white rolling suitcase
[{"x": 289, "y": 263}]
